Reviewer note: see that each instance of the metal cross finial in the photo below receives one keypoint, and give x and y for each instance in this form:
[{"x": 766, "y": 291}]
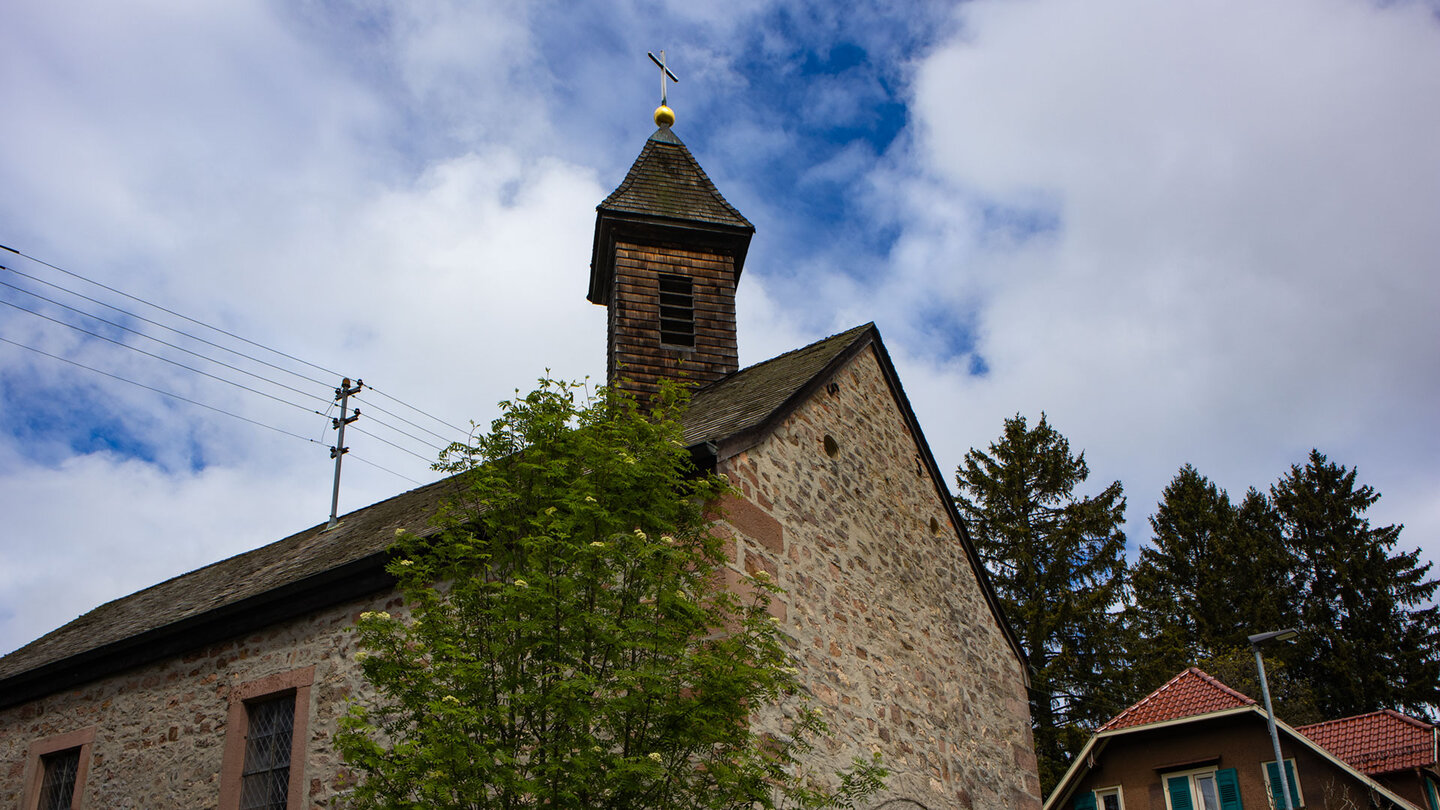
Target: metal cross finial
[{"x": 664, "y": 71}]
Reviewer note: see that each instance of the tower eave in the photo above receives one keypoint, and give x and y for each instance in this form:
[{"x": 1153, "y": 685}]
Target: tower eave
[{"x": 611, "y": 226}]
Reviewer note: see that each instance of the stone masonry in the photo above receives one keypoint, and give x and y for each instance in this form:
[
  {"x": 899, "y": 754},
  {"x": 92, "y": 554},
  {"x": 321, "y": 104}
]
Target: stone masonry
[
  {"x": 894, "y": 638},
  {"x": 160, "y": 729}
]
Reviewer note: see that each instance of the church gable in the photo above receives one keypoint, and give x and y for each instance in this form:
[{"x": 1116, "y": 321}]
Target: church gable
[{"x": 899, "y": 640}]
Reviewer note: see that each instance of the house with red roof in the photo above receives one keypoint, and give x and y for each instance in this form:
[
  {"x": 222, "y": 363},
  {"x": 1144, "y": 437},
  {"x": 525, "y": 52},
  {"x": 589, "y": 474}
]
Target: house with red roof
[
  {"x": 1394, "y": 749},
  {"x": 1197, "y": 744}
]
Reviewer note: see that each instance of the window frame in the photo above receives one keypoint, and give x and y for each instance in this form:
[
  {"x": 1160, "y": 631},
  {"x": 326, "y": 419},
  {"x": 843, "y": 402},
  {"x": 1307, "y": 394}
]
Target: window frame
[
  {"x": 84, "y": 739},
  {"x": 1113, "y": 790},
  {"x": 1299, "y": 795},
  {"x": 1190, "y": 775},
  {"x": 237, "y": 728}
]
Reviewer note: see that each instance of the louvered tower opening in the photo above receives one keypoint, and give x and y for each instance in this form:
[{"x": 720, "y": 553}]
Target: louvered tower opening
[{"x": 677, "y": 311}]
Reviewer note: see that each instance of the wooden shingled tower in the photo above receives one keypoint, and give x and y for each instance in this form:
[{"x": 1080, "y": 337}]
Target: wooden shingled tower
[{"x": 668, "y": 254}]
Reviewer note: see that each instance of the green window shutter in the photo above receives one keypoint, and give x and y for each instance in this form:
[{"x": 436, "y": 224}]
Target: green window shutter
[
  {"x": 1275, "y": 784},
  {"x": 1293, "y": 782},
  {"x": 1085, "y": 801},
  {"x": 1179, "y": 787},
  {"x": 1227, "y": 783},
  {"x": 1277, "y": 801},
  {"x": 1434, "y": 801}
]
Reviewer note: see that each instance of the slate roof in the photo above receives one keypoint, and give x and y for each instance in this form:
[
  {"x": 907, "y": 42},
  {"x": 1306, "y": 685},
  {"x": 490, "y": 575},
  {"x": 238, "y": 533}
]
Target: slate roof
[
  {"x": 741, "y": 403},
  {"x": 1192, "y": 692},
  {"x": 309, "y": 553},
  {"x": 666, "y": 181},
  {"x": 1378, "y": 742}
]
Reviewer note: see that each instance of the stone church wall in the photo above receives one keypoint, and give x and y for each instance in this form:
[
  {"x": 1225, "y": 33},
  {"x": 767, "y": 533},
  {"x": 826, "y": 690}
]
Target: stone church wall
[
  {"x": 893, "y": 635},
  {"x": 160, "y": 729},
  {"x": 895, "y": 639}
]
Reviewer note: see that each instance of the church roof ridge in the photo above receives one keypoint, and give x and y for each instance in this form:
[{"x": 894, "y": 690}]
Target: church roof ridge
[{"x": 743, "y": 401}]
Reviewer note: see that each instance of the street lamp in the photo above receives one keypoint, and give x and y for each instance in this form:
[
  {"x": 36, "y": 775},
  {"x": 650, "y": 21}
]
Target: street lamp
[{"x": 1255, "y": 642}]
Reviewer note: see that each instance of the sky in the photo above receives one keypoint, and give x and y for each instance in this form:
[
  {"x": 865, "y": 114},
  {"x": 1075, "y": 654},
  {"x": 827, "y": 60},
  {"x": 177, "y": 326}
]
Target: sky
[{"x": 1187, "y": 232}]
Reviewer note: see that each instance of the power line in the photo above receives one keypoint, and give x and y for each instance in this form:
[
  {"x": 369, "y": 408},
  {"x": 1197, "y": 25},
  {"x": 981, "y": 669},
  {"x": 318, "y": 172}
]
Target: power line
[
  {"x": 459, "y": 430},
  {"x": 122, "y": 327},
  {"x": 172, "y": 312},
  {"x": 218, "y": 330},
  {"x": 388, "y": 426},
  {"x": 382, "y": 423},
  {"x": 159, "y": 391},
  {"x": 202, "y": 405},
  {"x": 370, "y": 403},
  {"x": 163, "y": 359},
  {"x": 354, "y": 457},
  {"x": 137, "y": 317},
  {"x": 392, "y": 444},
  {"x": 82, "y": 313}
]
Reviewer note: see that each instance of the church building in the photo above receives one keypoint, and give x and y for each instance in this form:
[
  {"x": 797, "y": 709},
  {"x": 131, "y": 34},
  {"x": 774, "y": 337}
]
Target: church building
[{"x": 227, "y": 682}]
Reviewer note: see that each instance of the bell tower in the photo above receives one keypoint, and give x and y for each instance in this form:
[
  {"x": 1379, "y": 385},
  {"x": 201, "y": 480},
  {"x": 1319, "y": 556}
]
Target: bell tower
[{"x": 667, "y": 256}]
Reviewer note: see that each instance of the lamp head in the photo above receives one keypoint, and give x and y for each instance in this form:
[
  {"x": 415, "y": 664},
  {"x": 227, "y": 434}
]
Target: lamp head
[{"x": 1274, "y": 635}]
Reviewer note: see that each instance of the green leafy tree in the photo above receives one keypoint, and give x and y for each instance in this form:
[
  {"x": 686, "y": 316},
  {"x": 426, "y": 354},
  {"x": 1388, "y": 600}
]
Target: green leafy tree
[
  {"x": 1367, "y": 612},
  {"x": 1213, "y": 574},
  {"x": 1057, "y": 563},
  {"x": 567, "y": 640}
]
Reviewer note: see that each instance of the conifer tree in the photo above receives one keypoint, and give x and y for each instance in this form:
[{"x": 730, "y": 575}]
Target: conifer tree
[
  {"x": 1057, "y": 564},
  {"x": 1369, "y": 624},
  {"x": 1213, "y": 574}
]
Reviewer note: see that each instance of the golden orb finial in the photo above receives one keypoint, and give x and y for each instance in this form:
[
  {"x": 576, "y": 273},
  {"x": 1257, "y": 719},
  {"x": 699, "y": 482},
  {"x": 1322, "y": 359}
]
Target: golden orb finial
[{"x": 664, "y": 116}]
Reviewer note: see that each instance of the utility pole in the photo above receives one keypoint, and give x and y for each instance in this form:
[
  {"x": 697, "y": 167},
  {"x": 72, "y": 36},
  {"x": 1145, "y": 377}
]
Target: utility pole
[{"x": 339, "y": 450}]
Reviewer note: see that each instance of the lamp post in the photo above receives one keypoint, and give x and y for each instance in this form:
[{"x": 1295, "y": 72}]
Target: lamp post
[{"x": 1255, "y": 642}]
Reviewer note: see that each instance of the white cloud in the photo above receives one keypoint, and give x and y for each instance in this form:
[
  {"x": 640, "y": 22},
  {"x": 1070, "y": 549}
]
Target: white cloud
[
  {"x": 1243, "y": 266},
  {"x": 1190, "y": 232}
]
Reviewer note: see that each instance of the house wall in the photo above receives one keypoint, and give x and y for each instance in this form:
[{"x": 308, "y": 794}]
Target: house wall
[
  {"x": 1138, "y": 761},
  {"x": 160, "y": 729},
  {"x": 893, "y": 635},
  {"x": 1409, "y": 784}
]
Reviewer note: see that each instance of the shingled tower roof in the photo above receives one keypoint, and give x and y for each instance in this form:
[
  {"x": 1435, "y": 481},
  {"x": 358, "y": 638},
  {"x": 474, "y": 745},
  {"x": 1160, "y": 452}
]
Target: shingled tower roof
[
  {"x": 665, "y": 190},
  {"x": 666, "y": 181}
]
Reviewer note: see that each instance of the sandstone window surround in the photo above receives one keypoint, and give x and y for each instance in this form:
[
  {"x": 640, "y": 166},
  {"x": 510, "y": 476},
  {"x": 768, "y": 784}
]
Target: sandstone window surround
[
  {"x": 65, "y": 759},
  {"x": 253, "y": 718}
]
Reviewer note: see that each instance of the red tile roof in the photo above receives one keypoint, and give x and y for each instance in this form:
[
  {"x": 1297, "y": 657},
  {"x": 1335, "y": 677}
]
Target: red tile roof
[
  {"x": 1190, "y": 693},
  {"x": 1379, "y": 742}
]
